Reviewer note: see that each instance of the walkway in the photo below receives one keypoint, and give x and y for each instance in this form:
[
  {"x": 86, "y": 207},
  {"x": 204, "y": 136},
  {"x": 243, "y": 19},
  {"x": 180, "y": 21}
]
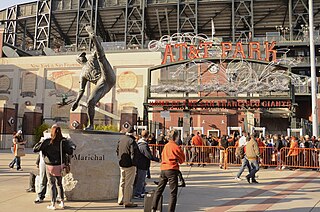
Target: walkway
[{"x": 208, "y": 189}]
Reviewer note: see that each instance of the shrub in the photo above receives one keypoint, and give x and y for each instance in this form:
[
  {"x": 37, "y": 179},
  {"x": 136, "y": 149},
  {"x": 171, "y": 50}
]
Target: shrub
[
  {"x": 38, "y": 132},
  {"x": 112, "y": 128}
]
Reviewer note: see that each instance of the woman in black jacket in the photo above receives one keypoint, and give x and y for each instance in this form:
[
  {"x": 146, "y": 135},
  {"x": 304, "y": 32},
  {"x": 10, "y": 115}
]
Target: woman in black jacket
[{"x": 51, "y": 149}]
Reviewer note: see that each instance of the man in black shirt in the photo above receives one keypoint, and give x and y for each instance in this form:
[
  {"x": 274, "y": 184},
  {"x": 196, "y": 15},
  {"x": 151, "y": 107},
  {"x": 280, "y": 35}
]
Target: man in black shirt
[{"x": 127, "y": 151}]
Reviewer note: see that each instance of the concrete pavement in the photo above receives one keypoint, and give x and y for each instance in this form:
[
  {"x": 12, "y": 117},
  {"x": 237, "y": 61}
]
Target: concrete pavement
[{"x": 208, "y": 189}]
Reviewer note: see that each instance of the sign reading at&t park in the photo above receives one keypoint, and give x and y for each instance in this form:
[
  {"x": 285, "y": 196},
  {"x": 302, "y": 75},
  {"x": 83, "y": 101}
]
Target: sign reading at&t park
[{"x": 226, "y": 48}]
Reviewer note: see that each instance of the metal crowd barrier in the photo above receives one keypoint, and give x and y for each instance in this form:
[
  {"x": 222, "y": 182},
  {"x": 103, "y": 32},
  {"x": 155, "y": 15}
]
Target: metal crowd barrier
[{"x": 300, "y": 157}]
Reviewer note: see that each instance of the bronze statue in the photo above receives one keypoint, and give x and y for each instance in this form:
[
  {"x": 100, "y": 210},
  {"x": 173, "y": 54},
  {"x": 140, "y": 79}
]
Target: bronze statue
[{"x": 97, "y": 70}]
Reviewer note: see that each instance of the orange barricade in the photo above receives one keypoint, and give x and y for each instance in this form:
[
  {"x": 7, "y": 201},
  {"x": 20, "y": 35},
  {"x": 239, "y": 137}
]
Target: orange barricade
[
  {"x": 300, "y": 158},
  {"x": 202, "y": 154},
  {"x": 268, "y": 157},
  {"x": 231, "y": 159},
  {"x": 194, "y": 154},
  {"x": 156, "y": 149}
]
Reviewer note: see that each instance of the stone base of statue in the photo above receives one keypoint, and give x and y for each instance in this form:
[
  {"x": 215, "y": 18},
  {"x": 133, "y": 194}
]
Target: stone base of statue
[{"x": 94, "y": 171}]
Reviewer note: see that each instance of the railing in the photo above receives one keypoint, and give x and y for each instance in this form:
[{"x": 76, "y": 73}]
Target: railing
[{"x": 201, "y": 155}]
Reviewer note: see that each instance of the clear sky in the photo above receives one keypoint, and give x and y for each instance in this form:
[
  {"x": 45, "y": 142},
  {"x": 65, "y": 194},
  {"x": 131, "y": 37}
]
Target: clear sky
[{"x": 8, "y": 3}]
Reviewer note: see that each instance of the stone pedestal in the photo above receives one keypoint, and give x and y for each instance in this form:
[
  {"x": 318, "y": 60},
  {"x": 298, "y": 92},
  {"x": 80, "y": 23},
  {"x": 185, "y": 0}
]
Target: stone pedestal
[
  {"x": 78, "y": 118},
  {"x": 95, "y": 173},
  {"x": 129, "y": 115}
]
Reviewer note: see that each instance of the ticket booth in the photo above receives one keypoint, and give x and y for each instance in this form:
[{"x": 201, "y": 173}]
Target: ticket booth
[
  {"x": 294, "y": 132},
  {"x": 231, "y": 130},
  {"x": 261, "y": 131},
  {"x": 214, "y": 133},
  {"x": 194, "y": 130}
]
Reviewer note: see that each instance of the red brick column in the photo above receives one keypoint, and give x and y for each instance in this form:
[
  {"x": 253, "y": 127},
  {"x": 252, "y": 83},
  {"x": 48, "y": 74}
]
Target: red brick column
[
  {"x": 130, "y": 115},
  {"x": 7, "y": 117},
  {"x": 78, "y": 118},
  {"x": 32, "y": 119},
  {"x": 1, "y": 39}
]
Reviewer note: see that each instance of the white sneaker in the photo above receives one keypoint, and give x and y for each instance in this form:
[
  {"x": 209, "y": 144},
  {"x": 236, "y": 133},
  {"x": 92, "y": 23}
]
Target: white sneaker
[
  {"x": 237, "y": 178},
  {"x": 51, "y": 207},
  {"x": 61, "y": 205},
  {"x": 283, "y": 167}
]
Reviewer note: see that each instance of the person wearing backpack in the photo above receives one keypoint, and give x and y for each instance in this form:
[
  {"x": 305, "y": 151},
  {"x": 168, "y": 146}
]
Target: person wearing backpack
[
  {"x": 223, "y": 146},
  {"x": 241, "y": 154}
]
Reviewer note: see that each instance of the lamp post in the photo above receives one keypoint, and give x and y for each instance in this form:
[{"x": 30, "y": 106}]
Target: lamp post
[{"x": 313, "y": 74}]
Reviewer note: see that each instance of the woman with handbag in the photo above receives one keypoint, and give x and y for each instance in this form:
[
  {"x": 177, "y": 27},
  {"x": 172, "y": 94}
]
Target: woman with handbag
[
  {"x": 18, "y": 150},
  {"x": 53, "y": 150}
]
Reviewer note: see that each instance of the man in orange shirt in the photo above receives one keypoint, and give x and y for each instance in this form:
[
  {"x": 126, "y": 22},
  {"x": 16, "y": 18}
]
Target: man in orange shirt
[
  {"x": 172, "y": 156},
  {"x": 195, "y": 142}
]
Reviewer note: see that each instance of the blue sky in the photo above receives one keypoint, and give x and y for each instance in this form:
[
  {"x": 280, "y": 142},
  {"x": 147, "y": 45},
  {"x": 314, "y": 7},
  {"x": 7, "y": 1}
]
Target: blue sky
[{"x": 7, "y": 3}]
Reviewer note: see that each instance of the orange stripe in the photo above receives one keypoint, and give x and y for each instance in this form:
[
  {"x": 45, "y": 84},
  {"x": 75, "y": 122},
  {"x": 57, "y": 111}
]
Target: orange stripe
[
  {"x": 276, "y": 198},
  {"x": 228, "y": 205}
]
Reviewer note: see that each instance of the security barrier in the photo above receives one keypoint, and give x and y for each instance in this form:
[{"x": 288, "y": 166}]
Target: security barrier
[
  {"x": 201, "y": 155},
  {"x": 300, "y": 158}
]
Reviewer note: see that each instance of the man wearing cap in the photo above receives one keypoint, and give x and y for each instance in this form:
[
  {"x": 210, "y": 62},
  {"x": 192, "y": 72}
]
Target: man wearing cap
[
  {"x": 127, "y": 151},
  {"x": 96, "y": 69}
]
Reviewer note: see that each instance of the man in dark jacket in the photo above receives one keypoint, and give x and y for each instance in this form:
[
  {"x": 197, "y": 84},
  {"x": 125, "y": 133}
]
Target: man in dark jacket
[
  {"x": 144, "y": 158},
  {"x": 127, "y": 151}
]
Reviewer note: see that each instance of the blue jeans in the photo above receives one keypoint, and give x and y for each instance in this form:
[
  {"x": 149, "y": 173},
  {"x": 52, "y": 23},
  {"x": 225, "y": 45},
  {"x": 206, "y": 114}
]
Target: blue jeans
[
  {"x": 55, "y": 186},
  {"x": 245, "y": 163},
  {"x": 138, "y": 188},
  {"x": 43, "y": 181},
  {"x": 254, "y": 169},
  {"x": 17, "y": 161}
]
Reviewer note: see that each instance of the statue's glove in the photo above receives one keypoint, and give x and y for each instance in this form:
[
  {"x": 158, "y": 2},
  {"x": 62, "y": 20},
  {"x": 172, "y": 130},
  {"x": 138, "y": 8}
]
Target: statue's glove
[{"x": 74, "y": 106}]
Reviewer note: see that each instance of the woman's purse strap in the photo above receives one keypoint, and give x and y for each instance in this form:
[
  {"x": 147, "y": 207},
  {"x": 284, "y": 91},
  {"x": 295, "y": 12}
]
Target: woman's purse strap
[{"x": 61, "y": 152}]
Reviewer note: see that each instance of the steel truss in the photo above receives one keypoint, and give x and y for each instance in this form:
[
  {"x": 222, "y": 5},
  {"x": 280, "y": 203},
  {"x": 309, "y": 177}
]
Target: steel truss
[
  {"x": 242, "y": 20},
  {"x": 87, "y": 16},
  {"x": 135, "y": 23},
  {"x": 300, "y": 18},
  {"x": 43, "y": 24},
  {"x": 187, "y": 11},
  {"x": 10, "y": 31}
]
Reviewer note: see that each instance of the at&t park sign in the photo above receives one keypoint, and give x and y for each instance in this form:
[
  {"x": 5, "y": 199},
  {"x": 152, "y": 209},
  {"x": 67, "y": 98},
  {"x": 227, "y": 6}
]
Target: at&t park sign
[
  {"x": 222, "y": 104},
  {"x": 227, "y": 50}
]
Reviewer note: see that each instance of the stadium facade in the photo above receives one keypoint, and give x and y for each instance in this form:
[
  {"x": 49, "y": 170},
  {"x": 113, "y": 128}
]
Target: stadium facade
[{"x": 167, "y": 55}]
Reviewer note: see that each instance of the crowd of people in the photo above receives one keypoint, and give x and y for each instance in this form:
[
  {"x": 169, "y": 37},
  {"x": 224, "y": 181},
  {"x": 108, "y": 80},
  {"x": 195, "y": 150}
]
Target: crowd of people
[
  {"x": 135, "y": 153},
  {"x": 134, "y": 160},
  {"x": 303, "y": 152}
]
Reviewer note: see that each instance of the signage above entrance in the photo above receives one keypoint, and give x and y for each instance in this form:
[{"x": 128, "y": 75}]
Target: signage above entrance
[
  {"x": 202, "y": 51},
  {"x": 223, "y": 104}
]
